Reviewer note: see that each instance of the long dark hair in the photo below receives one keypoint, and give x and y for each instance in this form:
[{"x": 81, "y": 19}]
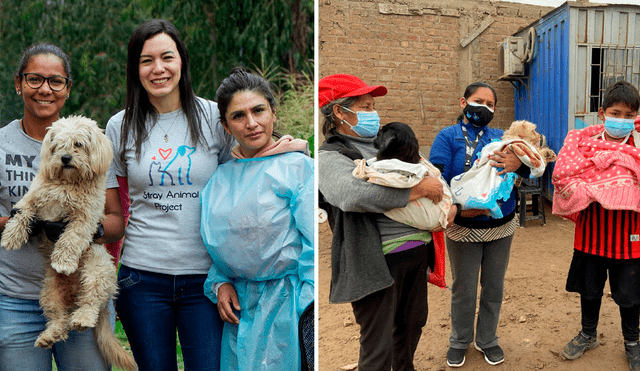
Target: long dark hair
[
  {"x": 240, "y": 80},
  {"x": 472, "y": 88},
  {"x": 137, "y": 105}
]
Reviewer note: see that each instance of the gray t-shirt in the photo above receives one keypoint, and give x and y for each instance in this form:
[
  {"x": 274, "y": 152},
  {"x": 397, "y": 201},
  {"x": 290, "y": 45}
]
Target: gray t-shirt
[
  {"x": 21, "y": 271},
  {"x": 163, "y": 234}
]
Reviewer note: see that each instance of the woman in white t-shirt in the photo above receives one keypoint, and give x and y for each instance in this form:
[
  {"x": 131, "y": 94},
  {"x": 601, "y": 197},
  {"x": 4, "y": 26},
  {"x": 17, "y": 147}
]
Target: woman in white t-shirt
[{"x": 167, "y": 145}]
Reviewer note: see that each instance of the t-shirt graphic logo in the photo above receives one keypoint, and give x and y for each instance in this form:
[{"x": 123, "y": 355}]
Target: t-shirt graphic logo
[{"x": 181, "y": 161}]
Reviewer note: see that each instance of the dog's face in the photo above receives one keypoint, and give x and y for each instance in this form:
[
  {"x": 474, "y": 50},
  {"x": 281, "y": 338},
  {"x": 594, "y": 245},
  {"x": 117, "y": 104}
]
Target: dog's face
[
  {"x": 524, "y": 130},
  {"x": 74, "y": 150},
  {"x": 397, "y": 140}
]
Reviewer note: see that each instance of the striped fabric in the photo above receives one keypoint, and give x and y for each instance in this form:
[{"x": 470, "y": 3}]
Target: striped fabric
[
  {"x": 611, "y": 234},
  {"x": 464, "y": 234}
]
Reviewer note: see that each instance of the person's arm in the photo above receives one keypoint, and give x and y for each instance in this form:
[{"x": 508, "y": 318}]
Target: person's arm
[
  {"x": 3, "y": 222},
  {"x": 441, "y": 154},
  {"x": 113, "y": 218},
  {"x": 429, "y": 187},
  {"x": 342, "y": 190}
]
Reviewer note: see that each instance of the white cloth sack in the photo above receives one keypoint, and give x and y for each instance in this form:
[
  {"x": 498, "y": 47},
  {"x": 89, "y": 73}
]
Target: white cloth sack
[
  {"x": 482, "y": 188},
  {"x": 422, "y": 213}
]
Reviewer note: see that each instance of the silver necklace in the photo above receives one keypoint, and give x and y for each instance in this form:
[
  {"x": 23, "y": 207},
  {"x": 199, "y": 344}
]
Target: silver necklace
[{"x": 166, "y": 132}]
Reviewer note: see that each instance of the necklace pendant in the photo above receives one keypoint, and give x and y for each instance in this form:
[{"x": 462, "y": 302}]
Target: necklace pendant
[{"x": 166, "y": 138}]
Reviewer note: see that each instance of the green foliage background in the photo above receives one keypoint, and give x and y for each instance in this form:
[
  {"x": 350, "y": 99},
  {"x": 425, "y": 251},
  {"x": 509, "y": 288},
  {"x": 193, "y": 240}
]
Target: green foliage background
[{"x": 219, "y": 35}]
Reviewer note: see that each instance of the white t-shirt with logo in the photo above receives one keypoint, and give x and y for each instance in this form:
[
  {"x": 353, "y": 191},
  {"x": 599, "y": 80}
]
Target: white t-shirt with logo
[{"x": 163, "y": 234}]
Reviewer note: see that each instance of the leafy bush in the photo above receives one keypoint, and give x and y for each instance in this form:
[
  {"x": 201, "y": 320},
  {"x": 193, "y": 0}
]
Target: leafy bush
[{"x": 219, "y": 36}]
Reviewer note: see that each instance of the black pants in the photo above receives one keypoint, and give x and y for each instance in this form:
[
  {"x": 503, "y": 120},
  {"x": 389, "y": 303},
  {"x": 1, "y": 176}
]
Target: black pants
[
  {"x": 588, "y": 275},
  {"x": 391, "y": 320}
]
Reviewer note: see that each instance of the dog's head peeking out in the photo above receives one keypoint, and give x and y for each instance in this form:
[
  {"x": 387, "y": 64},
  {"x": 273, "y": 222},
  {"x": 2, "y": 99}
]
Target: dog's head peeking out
[
  {"x": 524, "y": 130},
  {"x": 397, "y": 140},
  {"x": 75, "y": 150}
]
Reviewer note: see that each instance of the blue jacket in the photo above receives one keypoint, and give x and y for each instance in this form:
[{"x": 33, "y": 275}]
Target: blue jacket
[{"x": 448, "y": 154}]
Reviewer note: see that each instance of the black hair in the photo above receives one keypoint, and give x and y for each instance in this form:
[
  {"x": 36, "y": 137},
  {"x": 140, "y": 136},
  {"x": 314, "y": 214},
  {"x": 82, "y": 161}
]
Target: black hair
[
  {"x": 40, "y": 49},
  {"x": 472, "y": 88},
  {"x": 621, "y": 92},
  {"x": 240, "y": 80},
  {"x": 137, "y": 105},
  {"x": 329, "y": 123}
]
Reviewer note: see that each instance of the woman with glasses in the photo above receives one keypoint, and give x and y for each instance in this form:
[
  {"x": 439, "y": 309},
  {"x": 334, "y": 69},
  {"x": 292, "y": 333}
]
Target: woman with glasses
[
  {"x": 167, "y": 144},
  {"x": 43, "y": 80}
]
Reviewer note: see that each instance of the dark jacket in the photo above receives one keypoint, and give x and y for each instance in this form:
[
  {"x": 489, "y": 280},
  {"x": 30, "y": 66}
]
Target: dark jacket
[{"x": 358, "y": 266}]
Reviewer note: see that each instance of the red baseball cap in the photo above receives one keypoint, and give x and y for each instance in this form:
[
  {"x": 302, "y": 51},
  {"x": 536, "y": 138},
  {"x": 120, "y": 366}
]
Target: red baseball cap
[{"x": 341, "y": 86}]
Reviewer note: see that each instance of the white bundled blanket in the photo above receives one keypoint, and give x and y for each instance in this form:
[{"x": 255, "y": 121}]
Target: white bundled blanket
[
  {"x": 422, "y": 213},
  {"x": 482, "y": 188}
]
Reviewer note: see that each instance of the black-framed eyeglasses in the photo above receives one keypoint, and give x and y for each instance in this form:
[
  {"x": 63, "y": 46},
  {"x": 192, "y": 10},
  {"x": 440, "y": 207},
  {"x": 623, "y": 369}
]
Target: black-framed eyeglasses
[{"x": 35, "y": 81}]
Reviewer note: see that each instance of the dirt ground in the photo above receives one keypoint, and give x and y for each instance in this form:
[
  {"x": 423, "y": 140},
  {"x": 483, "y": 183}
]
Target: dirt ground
[{"x": 538, "y": 316}]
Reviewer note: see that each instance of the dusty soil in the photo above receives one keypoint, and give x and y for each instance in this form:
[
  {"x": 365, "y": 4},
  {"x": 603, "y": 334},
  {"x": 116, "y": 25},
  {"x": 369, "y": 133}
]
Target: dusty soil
[{"x": 538, "y": 316}]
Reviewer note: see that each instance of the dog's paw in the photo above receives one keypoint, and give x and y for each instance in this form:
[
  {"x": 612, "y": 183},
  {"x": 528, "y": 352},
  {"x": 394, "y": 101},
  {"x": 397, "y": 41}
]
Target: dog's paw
[
  {"x": 63, "y": 263},
  {"x": 49, "y": 337},
  {"x": 83, "y": 319},
  {"x": 44, "y": 342},
  {"x": 13, "y": 236}
]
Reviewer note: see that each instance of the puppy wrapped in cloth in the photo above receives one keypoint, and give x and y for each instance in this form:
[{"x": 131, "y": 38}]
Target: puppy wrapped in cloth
[
  {"x": 408, "y": 169},
  {"x": 482, "y": 188}
]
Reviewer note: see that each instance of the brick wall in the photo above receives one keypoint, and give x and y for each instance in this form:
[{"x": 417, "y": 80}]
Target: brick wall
[{"x": 413, "y": 48}]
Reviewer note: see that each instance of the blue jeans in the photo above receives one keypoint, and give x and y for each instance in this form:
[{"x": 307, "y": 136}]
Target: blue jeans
[
  {"x": 152, "y": 305},
  {"x": 21, "y": 321}
]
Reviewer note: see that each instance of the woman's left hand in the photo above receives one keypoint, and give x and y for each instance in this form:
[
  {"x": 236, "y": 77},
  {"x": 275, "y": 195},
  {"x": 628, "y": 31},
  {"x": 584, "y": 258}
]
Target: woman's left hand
[
  {"x": 227, "y": 303},
  {"x": 450, "y": 217},
  {"x": 505, "y": 160}
]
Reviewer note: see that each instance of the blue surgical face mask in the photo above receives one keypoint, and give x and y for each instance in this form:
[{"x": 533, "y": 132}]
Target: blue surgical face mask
[
  {"x": 618, "y": 128},
  {"x": 368, "y": 123}
]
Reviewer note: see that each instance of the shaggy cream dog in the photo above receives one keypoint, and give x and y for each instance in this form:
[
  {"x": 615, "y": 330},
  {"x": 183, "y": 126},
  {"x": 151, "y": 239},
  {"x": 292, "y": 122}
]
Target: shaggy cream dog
[
  {"x": 80, "y": 277},
  {"x": 526, "y": 130}
]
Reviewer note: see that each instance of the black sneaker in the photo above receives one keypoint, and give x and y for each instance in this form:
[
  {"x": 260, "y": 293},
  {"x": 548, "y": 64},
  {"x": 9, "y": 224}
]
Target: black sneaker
[
  {"x": 576, "y": 347},
  {"x": 632, "y": 349},
  {"x": 493, "y": 355},
  {"x": 455, "y": 357}
]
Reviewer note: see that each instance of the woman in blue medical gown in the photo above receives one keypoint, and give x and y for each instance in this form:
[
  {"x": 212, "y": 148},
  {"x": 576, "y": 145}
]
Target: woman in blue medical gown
[{"x": 257, "y": 224}]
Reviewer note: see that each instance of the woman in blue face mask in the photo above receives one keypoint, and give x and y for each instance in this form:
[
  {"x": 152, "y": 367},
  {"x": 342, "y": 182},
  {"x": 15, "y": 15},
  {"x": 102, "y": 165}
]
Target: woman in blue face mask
[
  {"x": 478, "y": 244},
  {"x": 378, "y": 265}
]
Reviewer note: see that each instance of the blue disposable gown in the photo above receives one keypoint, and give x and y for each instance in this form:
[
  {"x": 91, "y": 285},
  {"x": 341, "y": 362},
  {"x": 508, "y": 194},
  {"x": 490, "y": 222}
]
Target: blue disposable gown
[{"x": 257, "y": 224}]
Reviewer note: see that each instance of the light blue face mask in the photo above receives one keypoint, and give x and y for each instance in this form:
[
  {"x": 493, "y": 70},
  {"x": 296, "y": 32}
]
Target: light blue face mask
[
  {"x": 618, "y": 128},
  {"x": 368, "y": 123}
]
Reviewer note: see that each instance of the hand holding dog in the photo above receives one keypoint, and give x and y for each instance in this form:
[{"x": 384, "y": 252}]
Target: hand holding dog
[
  {"x": 429, "y": 187},
  {"x": 450, "y": 217},
  {"x": 507, "y": 160},
  {"x": 227, "y": 296}
]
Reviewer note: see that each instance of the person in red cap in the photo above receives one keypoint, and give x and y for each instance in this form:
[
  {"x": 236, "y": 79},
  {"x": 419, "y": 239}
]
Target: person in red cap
[{"x": 378, "y": 265}]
